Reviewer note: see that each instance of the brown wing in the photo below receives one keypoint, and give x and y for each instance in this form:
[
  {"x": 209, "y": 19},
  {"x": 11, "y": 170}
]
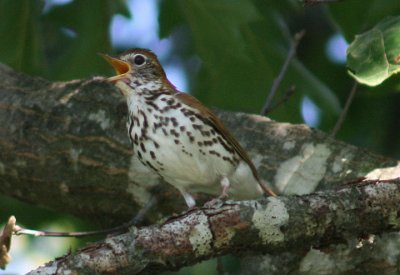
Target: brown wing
[{"x": 220, "y": 127}]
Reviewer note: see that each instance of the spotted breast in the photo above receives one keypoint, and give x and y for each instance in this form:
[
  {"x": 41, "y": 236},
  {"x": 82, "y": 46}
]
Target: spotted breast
[{"x": 177, "y": 137}]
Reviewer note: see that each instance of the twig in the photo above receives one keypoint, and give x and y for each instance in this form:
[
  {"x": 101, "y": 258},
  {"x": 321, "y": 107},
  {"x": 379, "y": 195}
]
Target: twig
[
  {"x": 115, "y": 230},
  {"x": 278, "y": 80},
  {"x": 346, "y": 108},
  {"x": 283, "y": 99},
  {"x": 220, "y": 266},
  {"x": 317, "y": 2}
]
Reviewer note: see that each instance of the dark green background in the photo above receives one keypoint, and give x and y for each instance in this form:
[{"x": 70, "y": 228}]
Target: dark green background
[{"x": 241, "y": 45}]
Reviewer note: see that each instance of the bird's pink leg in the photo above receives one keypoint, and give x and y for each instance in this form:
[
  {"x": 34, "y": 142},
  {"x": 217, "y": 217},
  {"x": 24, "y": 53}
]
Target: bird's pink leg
[
  {"x": 190, "y": 202},
  {"x": 225, "y": 187},
  {"x": 224, "y": 194}
]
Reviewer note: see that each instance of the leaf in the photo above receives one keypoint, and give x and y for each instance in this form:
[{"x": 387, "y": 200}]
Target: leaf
[
  {"x": 21, "y": 38},
  {"x": 375, "y": 55},
  {"x": 170, "y": 17},
  {"x": 242, "y": 47},
  {"x": 5, "y": 242},
  {"x": 355, "y": 16},
  {"x": 78, "y": 57},
  {"x": 217, "y": 25}
]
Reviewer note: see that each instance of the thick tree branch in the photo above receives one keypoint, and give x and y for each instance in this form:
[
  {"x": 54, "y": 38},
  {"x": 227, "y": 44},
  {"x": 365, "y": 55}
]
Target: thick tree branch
[
  {"x": 64, "y": 146},
  {"x": 269, "y": 225}
]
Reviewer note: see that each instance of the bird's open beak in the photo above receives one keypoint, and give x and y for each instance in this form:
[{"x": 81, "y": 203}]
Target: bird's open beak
[{"x": 122, "y": 68}]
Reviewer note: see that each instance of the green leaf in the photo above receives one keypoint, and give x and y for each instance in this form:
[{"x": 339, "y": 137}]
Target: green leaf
[
  {"x": 217, "y": 25},
  {"x": 242, "y": 45},
  {"x": 78, "y": 57},
  {"x": 355, "y": 16},
  {"x": 170, "y": 17},
  {"x": 375, "y": 55},
  {"x": 21, "y": 38}
]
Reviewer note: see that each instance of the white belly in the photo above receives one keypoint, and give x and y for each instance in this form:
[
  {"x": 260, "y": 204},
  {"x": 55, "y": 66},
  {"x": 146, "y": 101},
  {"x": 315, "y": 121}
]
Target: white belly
[{"x": 182, "y": 149}]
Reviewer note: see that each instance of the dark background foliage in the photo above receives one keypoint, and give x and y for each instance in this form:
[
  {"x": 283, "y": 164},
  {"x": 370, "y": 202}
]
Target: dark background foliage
[{"x": 231, "y": 50}]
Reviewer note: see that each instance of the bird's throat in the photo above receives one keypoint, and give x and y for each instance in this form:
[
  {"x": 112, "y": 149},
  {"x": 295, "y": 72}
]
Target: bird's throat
[{"x": 124, "y": 87}]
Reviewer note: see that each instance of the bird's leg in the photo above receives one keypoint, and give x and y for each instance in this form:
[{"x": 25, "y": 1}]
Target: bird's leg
[
  {"x": 191, "y": 203},
  {"x": 138, "y": 218},
  {"x": 216, "y": 202},
  {"x": 225, "y": 188}
]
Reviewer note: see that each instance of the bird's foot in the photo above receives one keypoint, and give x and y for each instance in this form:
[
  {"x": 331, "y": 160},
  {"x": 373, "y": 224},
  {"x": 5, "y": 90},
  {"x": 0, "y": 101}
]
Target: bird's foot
[{"x": 215, "y": 203}]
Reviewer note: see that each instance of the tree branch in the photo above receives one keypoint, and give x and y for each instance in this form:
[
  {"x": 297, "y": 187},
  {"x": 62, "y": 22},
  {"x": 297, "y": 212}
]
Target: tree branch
[
  {"x": 346, "y": 108},
  {"x": 64, "y": 146},
  {"x": 277, "y": 81},
  {"x": 269, "y": 225}
]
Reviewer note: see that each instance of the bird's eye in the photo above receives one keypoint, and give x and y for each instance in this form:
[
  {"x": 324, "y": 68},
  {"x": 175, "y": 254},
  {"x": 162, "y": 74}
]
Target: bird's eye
[{"x": 139, "y": 59}]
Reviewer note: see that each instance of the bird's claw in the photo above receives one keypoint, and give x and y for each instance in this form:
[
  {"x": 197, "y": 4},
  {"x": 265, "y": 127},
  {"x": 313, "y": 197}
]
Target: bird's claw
[{"x": 215, "y": 203}]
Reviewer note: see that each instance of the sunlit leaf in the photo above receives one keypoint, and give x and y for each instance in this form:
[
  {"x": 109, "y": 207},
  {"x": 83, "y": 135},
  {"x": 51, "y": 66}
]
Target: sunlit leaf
[{"x": 375, "y": 55}]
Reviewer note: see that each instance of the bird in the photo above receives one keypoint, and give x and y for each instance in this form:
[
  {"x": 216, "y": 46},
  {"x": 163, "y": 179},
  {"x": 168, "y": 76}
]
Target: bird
[{"x": 175, "y": 136}]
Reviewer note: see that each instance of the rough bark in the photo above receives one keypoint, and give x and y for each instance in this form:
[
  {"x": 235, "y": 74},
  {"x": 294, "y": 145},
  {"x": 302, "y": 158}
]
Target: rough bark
[
  {"x": 269, "y": 225},
  {"x": 64, "y": 146}
]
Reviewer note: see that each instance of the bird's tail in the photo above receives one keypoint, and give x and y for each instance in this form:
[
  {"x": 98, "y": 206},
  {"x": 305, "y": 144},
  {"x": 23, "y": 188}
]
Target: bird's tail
[{"x": 266, "y": 189}]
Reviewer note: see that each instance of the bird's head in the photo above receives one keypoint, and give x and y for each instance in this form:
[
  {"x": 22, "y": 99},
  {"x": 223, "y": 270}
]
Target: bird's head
[{"x": 137, "y": 67}]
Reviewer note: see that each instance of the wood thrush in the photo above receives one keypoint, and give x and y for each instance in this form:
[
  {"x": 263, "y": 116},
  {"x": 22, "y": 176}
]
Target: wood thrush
[{"x": 177, "y": 137}]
